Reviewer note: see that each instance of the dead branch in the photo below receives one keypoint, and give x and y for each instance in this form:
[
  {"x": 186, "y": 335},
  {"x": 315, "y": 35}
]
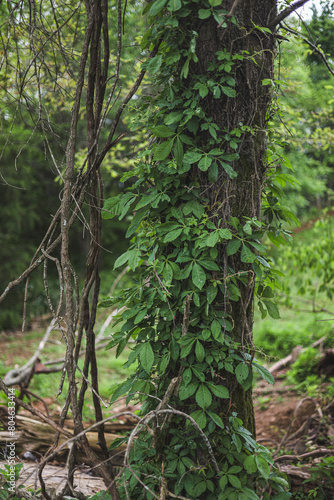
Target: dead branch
[
  {"x": 295, "y": 471},
  {"x": 100, "y": 335},
  {"x": 72, "y": 439},
  {"x": 33, "y": 410},
  {"x": 320, "y": 452},
  {"x": 274, "y": 390},
  {"x": 291, "y": 358},
  {"x": 17, "y": 375}
]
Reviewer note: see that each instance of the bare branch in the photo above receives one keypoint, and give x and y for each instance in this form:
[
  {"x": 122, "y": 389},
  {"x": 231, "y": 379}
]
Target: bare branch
[
  {"x": 320, "y": 452},
  {"x": 15, "y": 376},
  {"x": 314, "y": 47},
  {"x": 286, "y": 12}
]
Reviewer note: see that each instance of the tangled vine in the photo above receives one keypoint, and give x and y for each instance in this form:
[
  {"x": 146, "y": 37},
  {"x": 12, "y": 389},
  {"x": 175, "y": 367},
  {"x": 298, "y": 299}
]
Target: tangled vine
[{"x": 198, "y": 256}]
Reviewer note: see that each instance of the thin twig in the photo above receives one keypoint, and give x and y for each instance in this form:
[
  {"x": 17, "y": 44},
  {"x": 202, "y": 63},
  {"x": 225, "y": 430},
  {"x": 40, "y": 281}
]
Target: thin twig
[
  {"x": 286, "y": 12},
  {"x": 314, "y": 47}
]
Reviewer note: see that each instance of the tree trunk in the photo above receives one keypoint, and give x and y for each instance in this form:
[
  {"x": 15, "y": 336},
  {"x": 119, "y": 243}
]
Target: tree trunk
[
  {"x": 197, "y": 229},
  {"x": 239, "y": 197}
]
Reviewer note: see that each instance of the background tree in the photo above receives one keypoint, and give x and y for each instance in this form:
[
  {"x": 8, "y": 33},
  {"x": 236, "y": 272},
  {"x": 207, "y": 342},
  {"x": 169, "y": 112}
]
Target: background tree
[
  {"x": 34, "y": 133},
  {"x": 305, "y": 122}
]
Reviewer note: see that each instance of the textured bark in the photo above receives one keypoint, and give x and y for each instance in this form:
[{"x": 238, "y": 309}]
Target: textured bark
[{"x": 240, "y": 197}]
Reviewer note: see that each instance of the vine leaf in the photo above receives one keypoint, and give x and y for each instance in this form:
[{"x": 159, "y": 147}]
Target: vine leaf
[
  {"x": 241, "y": 372},
  {"x": 247, "y": 255},
  {"x": 157, "y": 7},
  {"x": 192, "y": 157},
  {"x": 262, "y": 466},
  {"x": 216, "y": 419},
  {"x": 187, "y": 376},
  {"x": 131, "y": 256},
  {"x": 234, "y": 481},
  {"x": 146, "y": 356},
  {"x": 215, "y": 329},
  {"x": 203, "y": 396},
  {"x": 163, "y": 150},
  {"x": 162, "y": 131},
  {"x": 250, "y": 464},
  {"x": 198, "y": 276},
  {"x": 233, "y": 246},
  {"x": 172, "y": 235},
  {"x": 174, "y": 5},
  {"x": 272, "y": 309},
  {"x": 211, "y": 293},
  {"x": 219, "y": 390},
  {"x": 200, "y": 418},
  {"x": 223, "y": 482},
  {"x": 134, "y": 258},
  {"x": 204, "y": 13},
  {"x": 194, "y": 207},
  {"x": 229, "y": 170},
  {"x": 122, "y": 259},
  {"x": 204, "y": 163},
  {"x": 178, "y": 151},
  {"x": 154, "y": 64},
  {"x": 264, "y": 373},
  {"x": 186, "y": 392},
  {"x": 212, "y": 239},
  {"x": 225, "y": 234},
  {"x": 140, "y": 316},
  {"x": 199, "y": 351},
  {"x": 146, "y": 200},
  {"x": 164, "y": 362}
]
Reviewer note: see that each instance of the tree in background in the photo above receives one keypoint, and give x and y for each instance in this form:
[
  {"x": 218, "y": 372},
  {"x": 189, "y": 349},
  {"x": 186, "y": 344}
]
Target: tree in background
[{"x": 306, "y": 110}]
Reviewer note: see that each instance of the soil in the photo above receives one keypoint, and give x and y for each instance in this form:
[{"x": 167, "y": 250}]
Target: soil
[{"x": 274, "y": 416}]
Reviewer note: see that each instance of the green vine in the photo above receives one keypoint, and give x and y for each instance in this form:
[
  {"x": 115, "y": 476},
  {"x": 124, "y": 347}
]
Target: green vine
[{"x": 194, "y": 364}]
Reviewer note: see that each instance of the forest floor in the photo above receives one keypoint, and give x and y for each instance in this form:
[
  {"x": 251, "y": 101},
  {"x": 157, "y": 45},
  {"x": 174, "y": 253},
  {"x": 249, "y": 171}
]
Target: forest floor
[
  {"x": 288, "y": 422},
  {"x": 274, "y": 405}
]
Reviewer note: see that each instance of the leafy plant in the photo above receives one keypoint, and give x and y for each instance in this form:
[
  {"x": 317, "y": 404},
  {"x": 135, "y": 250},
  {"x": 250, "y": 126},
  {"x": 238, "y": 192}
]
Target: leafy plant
[
  {"x": 321, "y": 481},
  {"x": 263, "y": 402},
  {"x": 197, "y": 258},
  {"x": 8, "y": 480},
  {"x": 303, "y": 366}
]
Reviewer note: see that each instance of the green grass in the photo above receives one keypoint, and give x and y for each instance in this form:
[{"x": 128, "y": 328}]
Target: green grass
[
  {"x": 18, "y": 348},
  {"x": 298, "y": 325}
]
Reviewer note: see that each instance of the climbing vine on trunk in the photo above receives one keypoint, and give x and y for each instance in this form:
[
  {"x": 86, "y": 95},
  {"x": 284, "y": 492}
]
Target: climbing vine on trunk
[{"x": 197, "y": 253}]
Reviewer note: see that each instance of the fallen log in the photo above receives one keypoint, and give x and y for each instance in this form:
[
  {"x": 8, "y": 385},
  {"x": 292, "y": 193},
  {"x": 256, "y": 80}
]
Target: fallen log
[
  {"x": 37, "y": 437},
  {"x": 295, "y": 471},
  {"x": 291, "y": 358},
  {"x": 55, "y": 478}
]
